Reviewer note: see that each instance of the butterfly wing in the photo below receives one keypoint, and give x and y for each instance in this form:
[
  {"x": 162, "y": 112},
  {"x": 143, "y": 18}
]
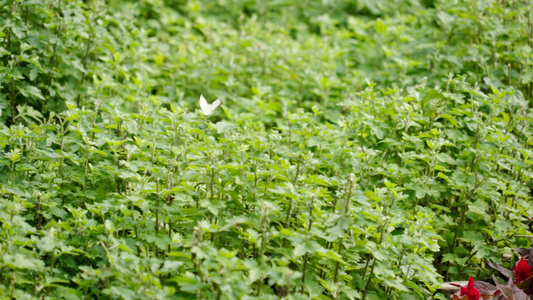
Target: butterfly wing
[
  {"x": 215, "y": 104},
  {"x": 203, "y": 104}
]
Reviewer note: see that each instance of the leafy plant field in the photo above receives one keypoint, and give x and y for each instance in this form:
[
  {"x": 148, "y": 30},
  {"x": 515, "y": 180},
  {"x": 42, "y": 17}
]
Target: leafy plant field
[{"x": 361, "y": 150}]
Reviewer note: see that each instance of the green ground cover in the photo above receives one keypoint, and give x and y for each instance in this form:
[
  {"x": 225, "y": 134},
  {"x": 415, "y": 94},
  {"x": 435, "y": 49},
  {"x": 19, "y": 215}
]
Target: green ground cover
[{"x": 362, "y": 149}]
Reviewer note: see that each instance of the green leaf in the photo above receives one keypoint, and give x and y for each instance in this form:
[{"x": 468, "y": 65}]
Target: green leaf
[
  {"x": 29, "y": 91},
  {"x": 19, "y": 261},
  {"x": 415, "y": 287}
]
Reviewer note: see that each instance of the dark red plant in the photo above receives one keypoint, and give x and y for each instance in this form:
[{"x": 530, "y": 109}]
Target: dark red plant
[
  {"x": 522, "y": 271},
  {"x": 470, "y": 291},
  {"x": 519, "y": 285}
]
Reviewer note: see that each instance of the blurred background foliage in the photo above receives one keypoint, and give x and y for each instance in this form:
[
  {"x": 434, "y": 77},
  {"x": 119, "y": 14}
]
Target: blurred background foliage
[{"x": 290, "y": 53}]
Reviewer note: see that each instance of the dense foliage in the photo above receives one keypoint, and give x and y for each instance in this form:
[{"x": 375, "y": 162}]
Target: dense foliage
[{"x": 362, "y": 149}]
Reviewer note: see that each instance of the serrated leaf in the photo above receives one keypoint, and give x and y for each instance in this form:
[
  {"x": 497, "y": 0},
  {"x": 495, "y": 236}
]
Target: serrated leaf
[{"x": 30, "y": 90}]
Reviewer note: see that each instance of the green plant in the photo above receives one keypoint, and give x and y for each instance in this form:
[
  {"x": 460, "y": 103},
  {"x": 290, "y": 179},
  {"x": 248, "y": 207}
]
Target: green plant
[{"x": 346, "y": 159}]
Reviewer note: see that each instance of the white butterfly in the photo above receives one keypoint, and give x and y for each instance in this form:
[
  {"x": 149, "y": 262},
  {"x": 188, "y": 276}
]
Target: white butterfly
[{"x": 208, "y": 109}]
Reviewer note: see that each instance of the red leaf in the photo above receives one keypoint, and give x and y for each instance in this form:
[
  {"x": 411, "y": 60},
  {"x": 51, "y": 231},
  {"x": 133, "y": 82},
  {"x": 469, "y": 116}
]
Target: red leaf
[
  {"x": 510, "y": 291},
  {"x": 505, "y": 272}
]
